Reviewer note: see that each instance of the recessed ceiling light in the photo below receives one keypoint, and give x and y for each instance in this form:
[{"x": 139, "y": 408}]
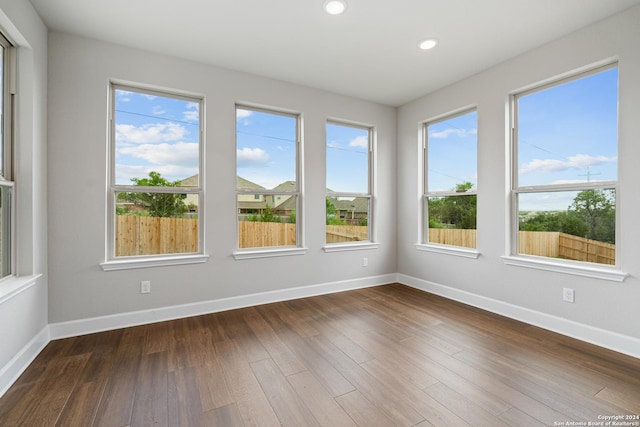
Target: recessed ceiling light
[
  {"x": 428, "y": 44},
  {"x": 334, "y": 7}
]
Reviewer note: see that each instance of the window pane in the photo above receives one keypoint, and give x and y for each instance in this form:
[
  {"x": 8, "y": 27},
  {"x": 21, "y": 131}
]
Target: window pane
[
  {"x": 452, "y": 220},
  {"x": 266, "y": 220},
  {"x": 452, "y": 153},
  {"x": 5, "y": 230},
  {"x": 2, "y": 110},
  {"x": 347, "y": 159},
  {"x": 157, "y": 134},
  {"x": 568, "y": 133},
  {"x": 577, "y": 225},
  {"x": 156, "y": 223},
  {"x": 266, "y": 148},
  {"x": 347, "y": 219}
]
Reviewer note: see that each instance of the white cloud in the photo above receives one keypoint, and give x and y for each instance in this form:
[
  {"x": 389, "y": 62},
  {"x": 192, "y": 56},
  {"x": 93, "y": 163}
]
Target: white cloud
[
  {"x": 150, "y": 133},
  {"x": 333, "y": 144},
  {"x": 453, "y": 131},
  {"x": 243, "y": 114},
  {"x": 252, "y": 157},
  {"x": 124, "y": 173},
  {"x": 180, "y": 153},
  {"x": 360, "y": 142},
  {"x": 579, "y": 161},
  {"x": 192, "y": 114},
  {"x": 157, "y": 110}
]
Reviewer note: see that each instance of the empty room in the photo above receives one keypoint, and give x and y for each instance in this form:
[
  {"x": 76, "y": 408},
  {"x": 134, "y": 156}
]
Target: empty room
[{"x": 319, "y": 213}]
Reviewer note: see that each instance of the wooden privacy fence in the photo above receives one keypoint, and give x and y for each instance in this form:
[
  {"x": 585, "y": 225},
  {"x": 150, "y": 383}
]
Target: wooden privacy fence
[
  {"x": 453, "y": 236},
  {"x": 254, "y": 234},
  {"x": 144, "y": 235},
  {"x": 140, "y": 235},
  {"x": 540, "y": 243},
  {"x": 573, "y": 247},
  {"x": 347, "y": 233}
]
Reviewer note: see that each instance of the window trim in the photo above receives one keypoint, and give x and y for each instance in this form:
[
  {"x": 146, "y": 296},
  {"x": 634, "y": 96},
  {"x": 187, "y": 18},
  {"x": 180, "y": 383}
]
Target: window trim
[
  {"x": 113, "y": 262},
  {"x": 273, "y": 251},
  {"x": 424, "y": 244},
  {"x": 7, "y": 179},
  {"x": 514, "y": 258},
  {"x": 371, "y": 242}
]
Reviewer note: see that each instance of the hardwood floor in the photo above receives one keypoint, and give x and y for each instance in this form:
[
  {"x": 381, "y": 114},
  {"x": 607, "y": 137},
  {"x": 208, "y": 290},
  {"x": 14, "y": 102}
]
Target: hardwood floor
[{"x": 382, "y": 356}]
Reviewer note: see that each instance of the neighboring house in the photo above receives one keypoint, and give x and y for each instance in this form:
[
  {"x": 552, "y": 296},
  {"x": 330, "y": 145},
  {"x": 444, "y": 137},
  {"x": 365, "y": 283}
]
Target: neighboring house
[
  {"x": 192, "y": 199},
  {"x": 351, "y": 210},
  {"x": 283, "y": 204},
  {"x": 249, "y": 204}
]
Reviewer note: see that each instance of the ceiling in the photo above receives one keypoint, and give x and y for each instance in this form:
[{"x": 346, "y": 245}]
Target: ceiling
[{"x": 369, "y": 52}]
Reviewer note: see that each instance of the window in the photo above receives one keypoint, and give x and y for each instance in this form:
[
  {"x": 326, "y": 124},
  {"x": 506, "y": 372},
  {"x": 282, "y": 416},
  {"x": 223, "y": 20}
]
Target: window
[
  {"x": 348, "y": 198},
  {"x": 156, "y": 196},
  {"x": 6, "y": 173},
  {"x": 565, "y": 161},
  {"x": 450, "y": 198},
  {"x": 267, "y": 178}
]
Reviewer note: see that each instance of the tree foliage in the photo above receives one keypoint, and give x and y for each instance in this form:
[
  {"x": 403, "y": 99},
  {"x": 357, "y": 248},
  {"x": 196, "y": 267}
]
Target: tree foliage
[
  {"x": 591, "y": 215},
  {"x": 157, "y": 204},
  {"x": 331, "y": 212},
  {"x": 454, "y": 211},
  {"x": 267, "y": 215}
]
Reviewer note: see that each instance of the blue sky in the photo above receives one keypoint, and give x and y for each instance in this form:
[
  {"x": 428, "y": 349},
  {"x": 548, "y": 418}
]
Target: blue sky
[
  {"x": 566, "y": 134},
  {"x": 266, "y": 147},
  {"x": 347, "y": 159},
  {"x": 155, "y": 133},
  {"x": 452, "y": 152}
]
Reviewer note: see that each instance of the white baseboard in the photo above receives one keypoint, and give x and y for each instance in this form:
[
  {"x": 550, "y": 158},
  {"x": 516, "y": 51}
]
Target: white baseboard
[
  {"x": 600, "y": 337},
  {"x": 123, "y": 320},
  {"x": 21, "y": 361}
]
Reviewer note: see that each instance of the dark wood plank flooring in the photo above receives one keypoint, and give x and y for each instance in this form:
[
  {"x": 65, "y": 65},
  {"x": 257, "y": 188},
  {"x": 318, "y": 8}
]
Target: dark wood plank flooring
[{"x": 383, "y": 356}]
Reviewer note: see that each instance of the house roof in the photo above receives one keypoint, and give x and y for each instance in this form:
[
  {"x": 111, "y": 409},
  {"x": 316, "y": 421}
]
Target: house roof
[{"x": 358, "y": 204}]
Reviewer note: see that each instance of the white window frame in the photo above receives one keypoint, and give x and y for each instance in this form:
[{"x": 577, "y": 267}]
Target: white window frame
[
  {"x": 6, "y": 175},
  {"x": 370, "y": 243},
  {"x": 424, "y": 244},
  {"x": 578, "y": 268},
  {"x": 274, "y": 251},
  {"x": 114, "y": 262}
]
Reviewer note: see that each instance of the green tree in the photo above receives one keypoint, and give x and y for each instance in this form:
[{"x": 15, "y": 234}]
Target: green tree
[
  {"x": 269, "y": 215},
  {"x": 454, "y": 211},
  {"x": 591, "y": 214},
  {"x": 331, "y": 212},
  {"x": 157, "y": 204},
  {"x": 597, "y": 209},
  {"x": 564, "y": 222}
]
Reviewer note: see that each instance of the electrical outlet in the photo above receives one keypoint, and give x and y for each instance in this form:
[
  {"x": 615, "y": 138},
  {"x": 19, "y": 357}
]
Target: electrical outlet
[
  {"x": 568, "y": 295},
  {"x": 145, "y": 287},
  {"x": 365, "y": 262}
]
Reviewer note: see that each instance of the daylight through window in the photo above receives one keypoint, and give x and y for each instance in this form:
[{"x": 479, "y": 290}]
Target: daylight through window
[
  {"x": 267, "y": 178},
  {"x": 348, "y": 197},
  {"x": 450, "y": 199},
  {"x": 6, "y": 174},
  {"x": 156, "y": 180},
  {"x": 566, "y": 168}
]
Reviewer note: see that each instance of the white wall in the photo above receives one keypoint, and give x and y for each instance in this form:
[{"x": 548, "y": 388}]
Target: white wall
[
  {"x": 23, "y": 299},
  {"x": 599, "y": 304},
  {"x": 79, "y": 72}
]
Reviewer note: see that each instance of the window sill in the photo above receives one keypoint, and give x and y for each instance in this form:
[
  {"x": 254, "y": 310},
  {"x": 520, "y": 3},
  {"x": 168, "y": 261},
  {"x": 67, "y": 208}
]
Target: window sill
[
  {"x": 604, "y": 273},
  {"x": 156, "y": 261},
  {"x": 268, "y": 253},
  {"x": 449, "y": 250},
  {"x": 340, "y": 247},
  {"x": 12, "y": 286}
]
